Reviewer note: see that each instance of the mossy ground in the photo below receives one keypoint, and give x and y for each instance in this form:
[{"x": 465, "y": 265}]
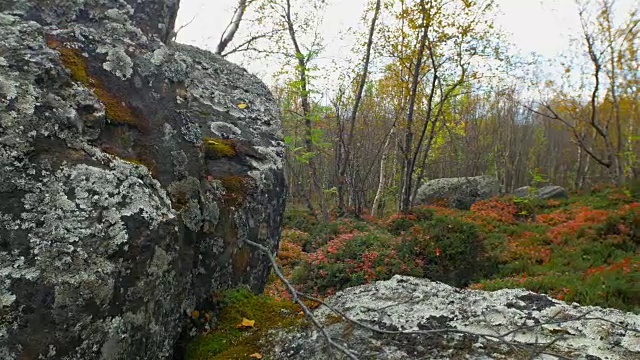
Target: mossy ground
[{"x": 227, "y": 341}]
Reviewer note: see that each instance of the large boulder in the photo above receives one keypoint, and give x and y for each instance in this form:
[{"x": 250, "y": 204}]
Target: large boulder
[
  {"x": 458, "y": 193},
  {"x": 132, "y": 172},
  {"x": 529, "y": 322},
  {"x": 543, "y": 193}
]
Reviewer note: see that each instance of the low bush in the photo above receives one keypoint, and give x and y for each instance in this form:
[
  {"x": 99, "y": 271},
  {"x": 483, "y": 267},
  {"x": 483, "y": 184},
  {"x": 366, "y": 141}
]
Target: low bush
[{"x": 353, "y": 259}]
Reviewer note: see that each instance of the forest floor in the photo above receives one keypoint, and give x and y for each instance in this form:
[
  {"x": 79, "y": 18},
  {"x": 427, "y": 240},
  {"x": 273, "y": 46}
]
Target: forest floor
[{"x": 584, "y": 249}]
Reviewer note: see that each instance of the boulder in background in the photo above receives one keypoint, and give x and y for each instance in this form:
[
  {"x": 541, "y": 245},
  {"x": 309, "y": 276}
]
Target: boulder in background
[{"x": 458, "y": 193}]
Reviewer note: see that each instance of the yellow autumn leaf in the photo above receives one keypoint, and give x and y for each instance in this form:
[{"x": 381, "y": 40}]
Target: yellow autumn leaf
[
  {"x": 246, "y": 323},
  {"x": 242, "y": 106},
  {"x": 256, "y": 356}
]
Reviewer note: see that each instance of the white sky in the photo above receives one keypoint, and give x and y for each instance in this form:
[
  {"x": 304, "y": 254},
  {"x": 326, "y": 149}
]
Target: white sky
[{"x": 540, "y": 26}]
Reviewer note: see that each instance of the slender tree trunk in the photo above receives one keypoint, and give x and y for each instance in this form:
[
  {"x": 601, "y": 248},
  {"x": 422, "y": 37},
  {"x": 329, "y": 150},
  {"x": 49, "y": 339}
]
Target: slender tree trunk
[
  {"x": 354, "y": 112},
  {"x": 314, "y": 183},
  {"x": 232, "y": 28},
  {"x": 383, "y": 178},
  {"x": 409, "y": 163}
]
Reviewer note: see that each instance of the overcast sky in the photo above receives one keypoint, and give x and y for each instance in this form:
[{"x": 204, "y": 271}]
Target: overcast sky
[{"x": 540, "y": 26}]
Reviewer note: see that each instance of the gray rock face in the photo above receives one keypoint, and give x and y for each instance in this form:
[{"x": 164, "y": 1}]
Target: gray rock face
[
  {"x": 543, "y": 193},
  {"x": 458, "y": 193},
  {"x": 409, "y": 304},
  {"x": 131, "y": 173}
]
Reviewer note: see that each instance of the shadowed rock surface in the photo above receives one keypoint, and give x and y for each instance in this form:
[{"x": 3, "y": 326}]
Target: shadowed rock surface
[
  {"x": 458, "y": 193},
  {"x": 131, "y": 172},
  {"x": 411, "y": 304}
]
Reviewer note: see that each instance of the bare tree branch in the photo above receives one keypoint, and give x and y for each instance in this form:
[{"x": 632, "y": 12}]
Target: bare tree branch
[
  {"x": 232, "y": 27},
  {"x": 296, "y": 299}
]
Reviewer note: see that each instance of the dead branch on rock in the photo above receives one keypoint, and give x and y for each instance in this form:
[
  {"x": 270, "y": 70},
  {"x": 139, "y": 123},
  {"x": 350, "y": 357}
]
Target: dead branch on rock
[
  {"x": 534, "y": 349},
  {"x": 305, "y": 309}
]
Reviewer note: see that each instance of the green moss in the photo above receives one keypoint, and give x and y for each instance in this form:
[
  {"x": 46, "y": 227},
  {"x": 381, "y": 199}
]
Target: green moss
[
  {"x": 234, "y": 184},
  {"x": 229, "y": 342},
  {"x": 116, "y": 108},
  {"x": 237, "y": 188},
  {"x": 219, "y": 148}
]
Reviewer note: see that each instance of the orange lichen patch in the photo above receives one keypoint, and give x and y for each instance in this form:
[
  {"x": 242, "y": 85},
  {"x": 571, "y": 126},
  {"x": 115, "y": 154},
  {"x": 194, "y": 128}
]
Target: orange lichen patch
[
  {"x": 53, "y": 43},
  {"x": 116, "y": 109},
  {"x": 219, "y": 148},
  {"x": 75, "y": 62}
]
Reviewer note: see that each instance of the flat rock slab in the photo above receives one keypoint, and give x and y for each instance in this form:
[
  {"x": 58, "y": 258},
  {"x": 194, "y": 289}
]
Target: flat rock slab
[{"x": 406, "y": 304}]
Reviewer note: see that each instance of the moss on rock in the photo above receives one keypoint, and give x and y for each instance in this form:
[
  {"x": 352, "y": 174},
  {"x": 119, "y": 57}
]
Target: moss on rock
[
  {"x": 219, "y": 148},
  {"x": 228, "y": 341},
  {"x": 116, "y": 109}
]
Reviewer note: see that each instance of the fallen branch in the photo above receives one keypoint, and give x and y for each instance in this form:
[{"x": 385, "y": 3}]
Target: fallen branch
[{"x": 294, "y": 297}]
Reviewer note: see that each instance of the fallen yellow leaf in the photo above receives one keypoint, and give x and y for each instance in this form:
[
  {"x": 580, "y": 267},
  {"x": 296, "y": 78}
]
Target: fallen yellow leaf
[
  {"x": 242, "y": 106},
  {"x": 246, "y": 323},
  {"x": 256, "y": 356},
  {"x": 195, "y": 314}
]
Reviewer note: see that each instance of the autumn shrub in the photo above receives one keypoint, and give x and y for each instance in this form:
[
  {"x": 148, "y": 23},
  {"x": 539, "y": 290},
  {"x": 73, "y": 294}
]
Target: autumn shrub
[
  {"x": 399, "y": 223},
  {"x": 501, "y": 210},
  {"x": 299, "y": 218},
  {"x": 575, "y": 253},
  {"x": 295, "y": 236},
  {"x": 450, "y": 249},
  {"x": 290, "y": 252},
  {"x": 352, "y": 259},
  {"x": 423, "y": 213},
  {"x": 616, "y": 285},
  {"x": 325, "y": 232},
  {"x": 582, "y": 249},
  {"x": 611, "y": 285},
  {"x": 318, "y": 233}
]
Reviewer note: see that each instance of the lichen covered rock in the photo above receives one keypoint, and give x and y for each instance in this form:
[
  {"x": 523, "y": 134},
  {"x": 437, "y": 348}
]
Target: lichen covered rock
[
  {"x": 406, "y": 304},
  {"x": 458, "y": 193},
  {"x": 129, "y": 179}
]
